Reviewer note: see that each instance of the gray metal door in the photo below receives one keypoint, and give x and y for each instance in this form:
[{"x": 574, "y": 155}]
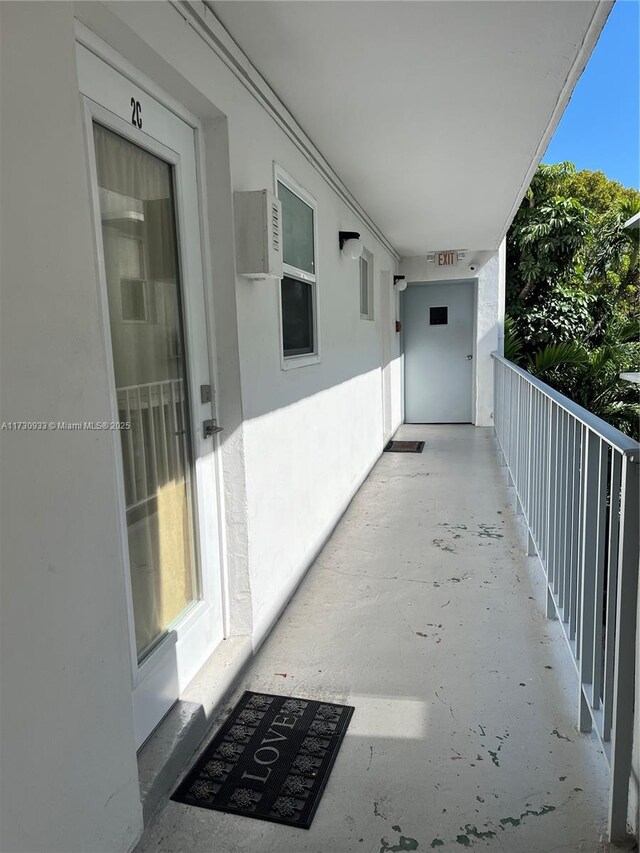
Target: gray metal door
[{"x": 438, "y": 352}]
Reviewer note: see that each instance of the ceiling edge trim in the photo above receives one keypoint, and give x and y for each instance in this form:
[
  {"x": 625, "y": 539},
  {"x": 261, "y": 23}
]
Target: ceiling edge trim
[{"x": 589, "y": 42}]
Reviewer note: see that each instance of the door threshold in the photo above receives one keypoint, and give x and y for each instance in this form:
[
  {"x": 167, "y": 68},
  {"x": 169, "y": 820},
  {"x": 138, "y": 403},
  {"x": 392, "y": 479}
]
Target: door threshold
[{"x": 173, "y": 743}]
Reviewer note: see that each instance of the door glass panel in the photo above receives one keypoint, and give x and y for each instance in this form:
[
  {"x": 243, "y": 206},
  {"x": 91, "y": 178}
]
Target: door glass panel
[{"x": 140, "y": 254}]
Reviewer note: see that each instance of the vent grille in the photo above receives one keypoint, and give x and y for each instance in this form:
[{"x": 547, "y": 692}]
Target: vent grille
[{"x": 275, "y": 223}]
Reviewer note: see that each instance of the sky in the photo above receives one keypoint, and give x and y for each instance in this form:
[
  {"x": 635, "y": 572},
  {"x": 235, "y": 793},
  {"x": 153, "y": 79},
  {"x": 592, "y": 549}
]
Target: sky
[{"x": 600, "y": 129}]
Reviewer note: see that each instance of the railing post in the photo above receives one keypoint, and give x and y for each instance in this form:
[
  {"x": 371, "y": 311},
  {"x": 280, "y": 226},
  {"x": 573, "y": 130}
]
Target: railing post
[
  {"x": 615, "y": 490},
  {"x": 498, "y": 408},
  {"x": 540, "y": 462},
  {"x": 561, "y": 503},
  {"x": 574, "y": 529},
  {"x": 502, "y": 382},
  {"x": 517, "y": 456},
  {"x": 547, "y": 410},
  {"x": 626, "y": 640},
  {"x": 600, "y": 524},
  {"x": 568, "y": 532},
  {"x": 551, "y": 506},
  {"x": 588, "y": 576},
  {"x": 529, "y": 457},
  {"x": 509, "y": 432}
]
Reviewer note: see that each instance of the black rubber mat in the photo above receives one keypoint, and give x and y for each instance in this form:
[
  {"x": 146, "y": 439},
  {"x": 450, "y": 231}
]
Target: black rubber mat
[
  {"x": 405, "y": 447},
  {"x": 270, "y": 760}
]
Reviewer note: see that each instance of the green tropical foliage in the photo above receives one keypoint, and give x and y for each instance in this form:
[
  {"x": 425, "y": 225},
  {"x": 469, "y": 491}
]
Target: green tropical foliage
[
  {"x": 595, "y": 191},
  {"x": 572, "y": 290},
  {"x": 547, "y": 232}
]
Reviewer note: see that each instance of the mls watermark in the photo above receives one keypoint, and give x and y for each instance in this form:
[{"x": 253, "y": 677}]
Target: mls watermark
[{"x": 63, "y": 426}]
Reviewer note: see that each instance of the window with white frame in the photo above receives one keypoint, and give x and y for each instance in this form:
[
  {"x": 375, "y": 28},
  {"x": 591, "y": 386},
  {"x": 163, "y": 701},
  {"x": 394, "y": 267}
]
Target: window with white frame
[
  {"x": 298, "y": 285},
  {"x": 366, "y": 285}
]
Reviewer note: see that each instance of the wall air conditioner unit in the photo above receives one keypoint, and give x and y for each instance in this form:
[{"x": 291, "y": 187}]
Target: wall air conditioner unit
[{"x": 258, "y": 219}]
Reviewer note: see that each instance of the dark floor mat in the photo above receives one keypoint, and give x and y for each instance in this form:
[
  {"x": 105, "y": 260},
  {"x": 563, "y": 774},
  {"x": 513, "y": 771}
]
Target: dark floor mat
[
  {"x": 404, "y": 446},
  {"x": 271, "y": 759}
]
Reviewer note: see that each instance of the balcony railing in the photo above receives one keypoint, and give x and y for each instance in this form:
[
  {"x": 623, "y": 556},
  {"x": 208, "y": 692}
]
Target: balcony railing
[
  {"x": 155, "y": 447},
  {"x": 576, "y": 482}
]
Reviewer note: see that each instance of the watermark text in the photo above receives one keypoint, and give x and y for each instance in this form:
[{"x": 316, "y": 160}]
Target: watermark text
[{"x": 63, "y": 426}]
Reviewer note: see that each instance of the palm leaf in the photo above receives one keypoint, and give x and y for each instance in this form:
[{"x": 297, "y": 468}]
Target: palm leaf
[
  {"x": 512, "y": 341},
  {"x": 565, "y": 354}
]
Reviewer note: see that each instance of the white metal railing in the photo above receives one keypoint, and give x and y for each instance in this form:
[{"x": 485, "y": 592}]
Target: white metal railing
[
  {"x": 154, "y": 448},
  {"x": 576, "y": 482}
]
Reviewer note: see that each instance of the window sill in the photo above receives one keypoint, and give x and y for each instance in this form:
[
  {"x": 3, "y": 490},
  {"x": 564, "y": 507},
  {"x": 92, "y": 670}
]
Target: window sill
[{"x": 292, "y": 361}]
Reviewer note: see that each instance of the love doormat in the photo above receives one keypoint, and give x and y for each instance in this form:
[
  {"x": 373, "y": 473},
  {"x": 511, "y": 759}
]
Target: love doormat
[{"x": 270, "y": 760}]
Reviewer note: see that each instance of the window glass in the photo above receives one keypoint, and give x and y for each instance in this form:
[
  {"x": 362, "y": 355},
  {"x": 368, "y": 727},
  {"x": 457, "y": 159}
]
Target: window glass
[
  {"x": 364, "y": 287},
  {"x": 439, "y": 316},
  {"x": 297, "y": 317},
  {"x": 298, "y": 241}
]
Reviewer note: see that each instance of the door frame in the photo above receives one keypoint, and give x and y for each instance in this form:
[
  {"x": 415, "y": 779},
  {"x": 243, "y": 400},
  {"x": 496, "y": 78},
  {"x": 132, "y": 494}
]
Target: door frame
[
  {"x": 212, "y": 585},
  {"x": 474, "y": 285},
  {"x": 387, "y": 299}
]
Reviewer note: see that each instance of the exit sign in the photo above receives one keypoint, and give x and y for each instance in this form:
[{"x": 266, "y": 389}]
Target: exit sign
[{"x": 446, "y": 259}]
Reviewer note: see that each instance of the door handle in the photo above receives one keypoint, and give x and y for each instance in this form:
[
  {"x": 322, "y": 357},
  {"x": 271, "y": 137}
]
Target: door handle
[
  {"x": 210, "y": 427},
  {"x": 469, "y": 357}
]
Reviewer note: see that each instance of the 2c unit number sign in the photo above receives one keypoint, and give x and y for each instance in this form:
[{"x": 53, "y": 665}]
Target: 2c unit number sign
[{"x": 136, "y": 114}]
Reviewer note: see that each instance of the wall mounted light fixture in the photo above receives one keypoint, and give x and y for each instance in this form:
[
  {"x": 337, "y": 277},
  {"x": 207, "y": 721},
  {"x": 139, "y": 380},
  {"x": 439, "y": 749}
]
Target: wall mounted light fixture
[
  {"x": 399, "y": 283},
  {"x": 351, "y": 244}
]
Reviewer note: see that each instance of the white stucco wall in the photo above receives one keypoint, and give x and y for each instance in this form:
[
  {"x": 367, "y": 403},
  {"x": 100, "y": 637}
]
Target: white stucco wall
[
  {"x": 489, "y": 322},
  {"x": 69, "y": 776},
  {"x": 296, "y": 443},
  {"x": 312, "y": 433},
  {"x": 489, "y": 274}
]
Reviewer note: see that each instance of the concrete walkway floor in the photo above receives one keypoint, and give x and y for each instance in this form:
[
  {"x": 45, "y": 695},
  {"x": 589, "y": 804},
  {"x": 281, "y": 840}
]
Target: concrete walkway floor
[{"x": 423, "y": 612}]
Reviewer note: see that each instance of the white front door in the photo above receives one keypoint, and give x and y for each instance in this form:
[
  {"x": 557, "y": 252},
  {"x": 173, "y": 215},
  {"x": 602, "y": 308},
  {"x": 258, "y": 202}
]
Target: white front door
[
  {"x": 438, "y": 352},
  {"x": 143, "y": 169}
]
